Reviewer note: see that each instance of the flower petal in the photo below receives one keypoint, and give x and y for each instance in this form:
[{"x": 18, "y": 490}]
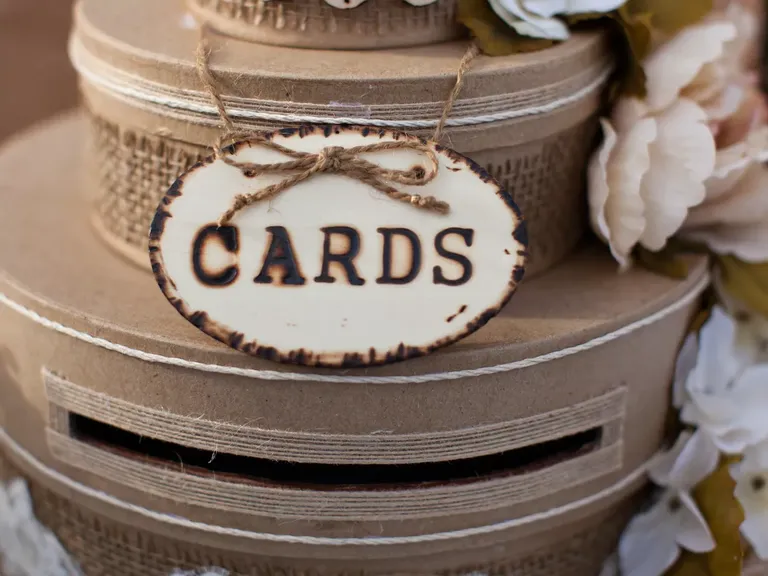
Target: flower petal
[
  {"x": 548, "y": 8},
  {"x": 526, "y": 23},
  {"x": 745, "y": 203},
  {"x": 648, "y": 546},
  {"x": 676, "y": 64},
  {"x": 686, "y": 362},
  {"x": 751, "y": 491},
  {"x": 693, "y": 458},
  {"x": 682, "y": 157},
  {"x": 627, "y": 111},
  {"x": 755, "y": 529},
  {"x": 615, "y": 177},
  {"x": 693, "y": 532},
  {"x": 719, "y": 360},
  {"x": 748, "y": 243}
]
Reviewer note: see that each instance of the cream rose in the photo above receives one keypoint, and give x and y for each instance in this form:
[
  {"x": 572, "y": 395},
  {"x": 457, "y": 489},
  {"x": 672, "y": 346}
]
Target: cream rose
[
  {"x": 659, "y": 168},
  {"x": 648, "y": 174}
]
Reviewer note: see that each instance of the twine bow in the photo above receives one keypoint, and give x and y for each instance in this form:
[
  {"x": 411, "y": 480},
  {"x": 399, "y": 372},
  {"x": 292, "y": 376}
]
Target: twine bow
[
  {"x": 333, "y": 159},
  {"x": 336, "y": 160}
]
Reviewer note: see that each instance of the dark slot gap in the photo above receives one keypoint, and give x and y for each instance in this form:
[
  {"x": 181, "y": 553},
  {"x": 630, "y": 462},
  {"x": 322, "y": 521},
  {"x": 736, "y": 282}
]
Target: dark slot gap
[{"x": 330, "y": 476}]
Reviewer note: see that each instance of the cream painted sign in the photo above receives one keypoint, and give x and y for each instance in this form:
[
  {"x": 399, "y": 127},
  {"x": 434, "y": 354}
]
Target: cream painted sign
[{"x": 332, "y": 272}]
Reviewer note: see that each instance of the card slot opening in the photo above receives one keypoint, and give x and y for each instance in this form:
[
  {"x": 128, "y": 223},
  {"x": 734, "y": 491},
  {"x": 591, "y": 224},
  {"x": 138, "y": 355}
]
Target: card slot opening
[{"x": 225, "y": 466}]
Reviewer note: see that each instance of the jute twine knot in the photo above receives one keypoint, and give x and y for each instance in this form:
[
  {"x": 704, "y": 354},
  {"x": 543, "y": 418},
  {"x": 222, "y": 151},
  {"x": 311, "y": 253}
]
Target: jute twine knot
[
  {"x": 332, "y": 159},
  {"x": 337, "y": 160}
]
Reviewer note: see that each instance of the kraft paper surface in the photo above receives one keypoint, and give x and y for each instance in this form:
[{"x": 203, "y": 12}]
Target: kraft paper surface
[{"x": 54, "y": 266}]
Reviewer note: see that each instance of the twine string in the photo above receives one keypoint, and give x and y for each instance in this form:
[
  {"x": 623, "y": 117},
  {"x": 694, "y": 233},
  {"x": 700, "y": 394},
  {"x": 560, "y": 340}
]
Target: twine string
[{"x": 331, "y": 159}]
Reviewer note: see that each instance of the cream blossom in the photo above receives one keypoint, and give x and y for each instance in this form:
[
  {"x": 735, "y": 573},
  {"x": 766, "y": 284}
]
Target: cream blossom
[
  {"x": 718, "y": 198},
  {"x": 653, "y": 540},
  {"x": 26, "y": 547},
  {"x": 691, "y": 65},
  {"x": 648, "y": 172},
  {"x": 724, "y": 393},
  {"x": 751, "y": 475},
  {"x": 536, "y": 18}
]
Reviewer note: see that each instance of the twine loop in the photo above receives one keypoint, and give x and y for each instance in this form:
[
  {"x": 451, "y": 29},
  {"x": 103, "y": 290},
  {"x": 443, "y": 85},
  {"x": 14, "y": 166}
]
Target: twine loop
[
  {"x": 332, "y": 159},
  {"x": 341, "y": 161}
]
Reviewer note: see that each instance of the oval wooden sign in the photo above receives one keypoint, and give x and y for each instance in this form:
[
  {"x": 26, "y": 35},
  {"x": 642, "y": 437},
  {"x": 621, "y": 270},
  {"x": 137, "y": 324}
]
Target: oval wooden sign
[{"x": 332, "y": 272}]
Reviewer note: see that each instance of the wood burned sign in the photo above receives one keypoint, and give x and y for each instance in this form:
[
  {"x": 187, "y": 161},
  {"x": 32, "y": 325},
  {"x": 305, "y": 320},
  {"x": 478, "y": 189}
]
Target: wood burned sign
[{"x": 332, "y": 272}]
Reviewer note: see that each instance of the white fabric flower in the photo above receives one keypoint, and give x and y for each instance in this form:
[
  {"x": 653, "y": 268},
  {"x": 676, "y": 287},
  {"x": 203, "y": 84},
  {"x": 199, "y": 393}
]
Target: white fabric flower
[
  {"x": 653, "y": 540},
  {"x": 535, "y": 18},
  {"x": 646, "y": 175},
  {"x": 26, "y": 547},
  {"x": 725, "y": 394},
  {"x": 751, "y": 475}
]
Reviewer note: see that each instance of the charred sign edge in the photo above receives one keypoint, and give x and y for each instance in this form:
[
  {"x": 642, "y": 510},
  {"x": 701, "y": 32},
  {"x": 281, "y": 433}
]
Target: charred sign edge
[{"x": 302, "y": 357}]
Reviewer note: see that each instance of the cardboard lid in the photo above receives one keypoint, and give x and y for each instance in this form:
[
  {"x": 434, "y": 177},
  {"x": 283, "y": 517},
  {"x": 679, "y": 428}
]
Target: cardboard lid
[{"x": 146, "y": 45}]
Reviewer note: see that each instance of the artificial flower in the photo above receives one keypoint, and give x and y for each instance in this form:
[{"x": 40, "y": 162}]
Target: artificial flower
[
  {"x": 536, "y": 18},
  {"x": 733, "y": 219},
  {"x": 648, "y": 172},
  {"x": 707, "y": 67},
  {"x": 725, "y": 393},
  {"x": 653, "y": 540},
  {"x": 26, "y": 547},
  {"x": 690, "y": 65},
  {"x": 693, "y": 457},
  {"x": 751, "y": 475}
]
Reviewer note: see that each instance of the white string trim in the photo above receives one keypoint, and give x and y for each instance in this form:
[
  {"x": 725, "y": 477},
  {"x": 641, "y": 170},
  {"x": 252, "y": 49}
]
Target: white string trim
[
  {"x": 167, "y": 101},
  {"x": 329, "y": 378},
  {"x": 71, "y": 484}
]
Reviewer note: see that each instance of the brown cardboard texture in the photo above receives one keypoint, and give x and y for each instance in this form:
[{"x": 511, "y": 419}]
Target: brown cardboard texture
[
  {"x": 142, "y": 369},
  {"x": 528, "y": 119}
]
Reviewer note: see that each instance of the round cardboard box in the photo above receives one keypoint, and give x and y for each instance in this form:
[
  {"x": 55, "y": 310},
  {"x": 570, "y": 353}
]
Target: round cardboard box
[
  {"x": 529, "y": 120},
  {"x": 150, "y": 446}
]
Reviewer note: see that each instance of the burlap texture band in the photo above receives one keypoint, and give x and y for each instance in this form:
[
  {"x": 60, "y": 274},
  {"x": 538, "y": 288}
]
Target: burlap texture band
[
  {"x": 529, "y": 119},
  {"x": 232, "y": 466},
  {"x": 375, "y": 24}
]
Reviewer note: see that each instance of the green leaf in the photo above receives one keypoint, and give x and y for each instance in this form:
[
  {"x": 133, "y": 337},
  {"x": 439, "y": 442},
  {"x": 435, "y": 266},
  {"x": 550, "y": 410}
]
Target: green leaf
[
  {"x": 670, "y": 16},
  {"x": 724, "y": 515},
  {"x": 746, "y": 282},
  {"x": 634, "y": 31},
  {"x": 690, "y": 564},
  {"x": 666, "y": 263},
  {"x": 637, "y": 33},
  {"x": 494, "y": 36}
]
